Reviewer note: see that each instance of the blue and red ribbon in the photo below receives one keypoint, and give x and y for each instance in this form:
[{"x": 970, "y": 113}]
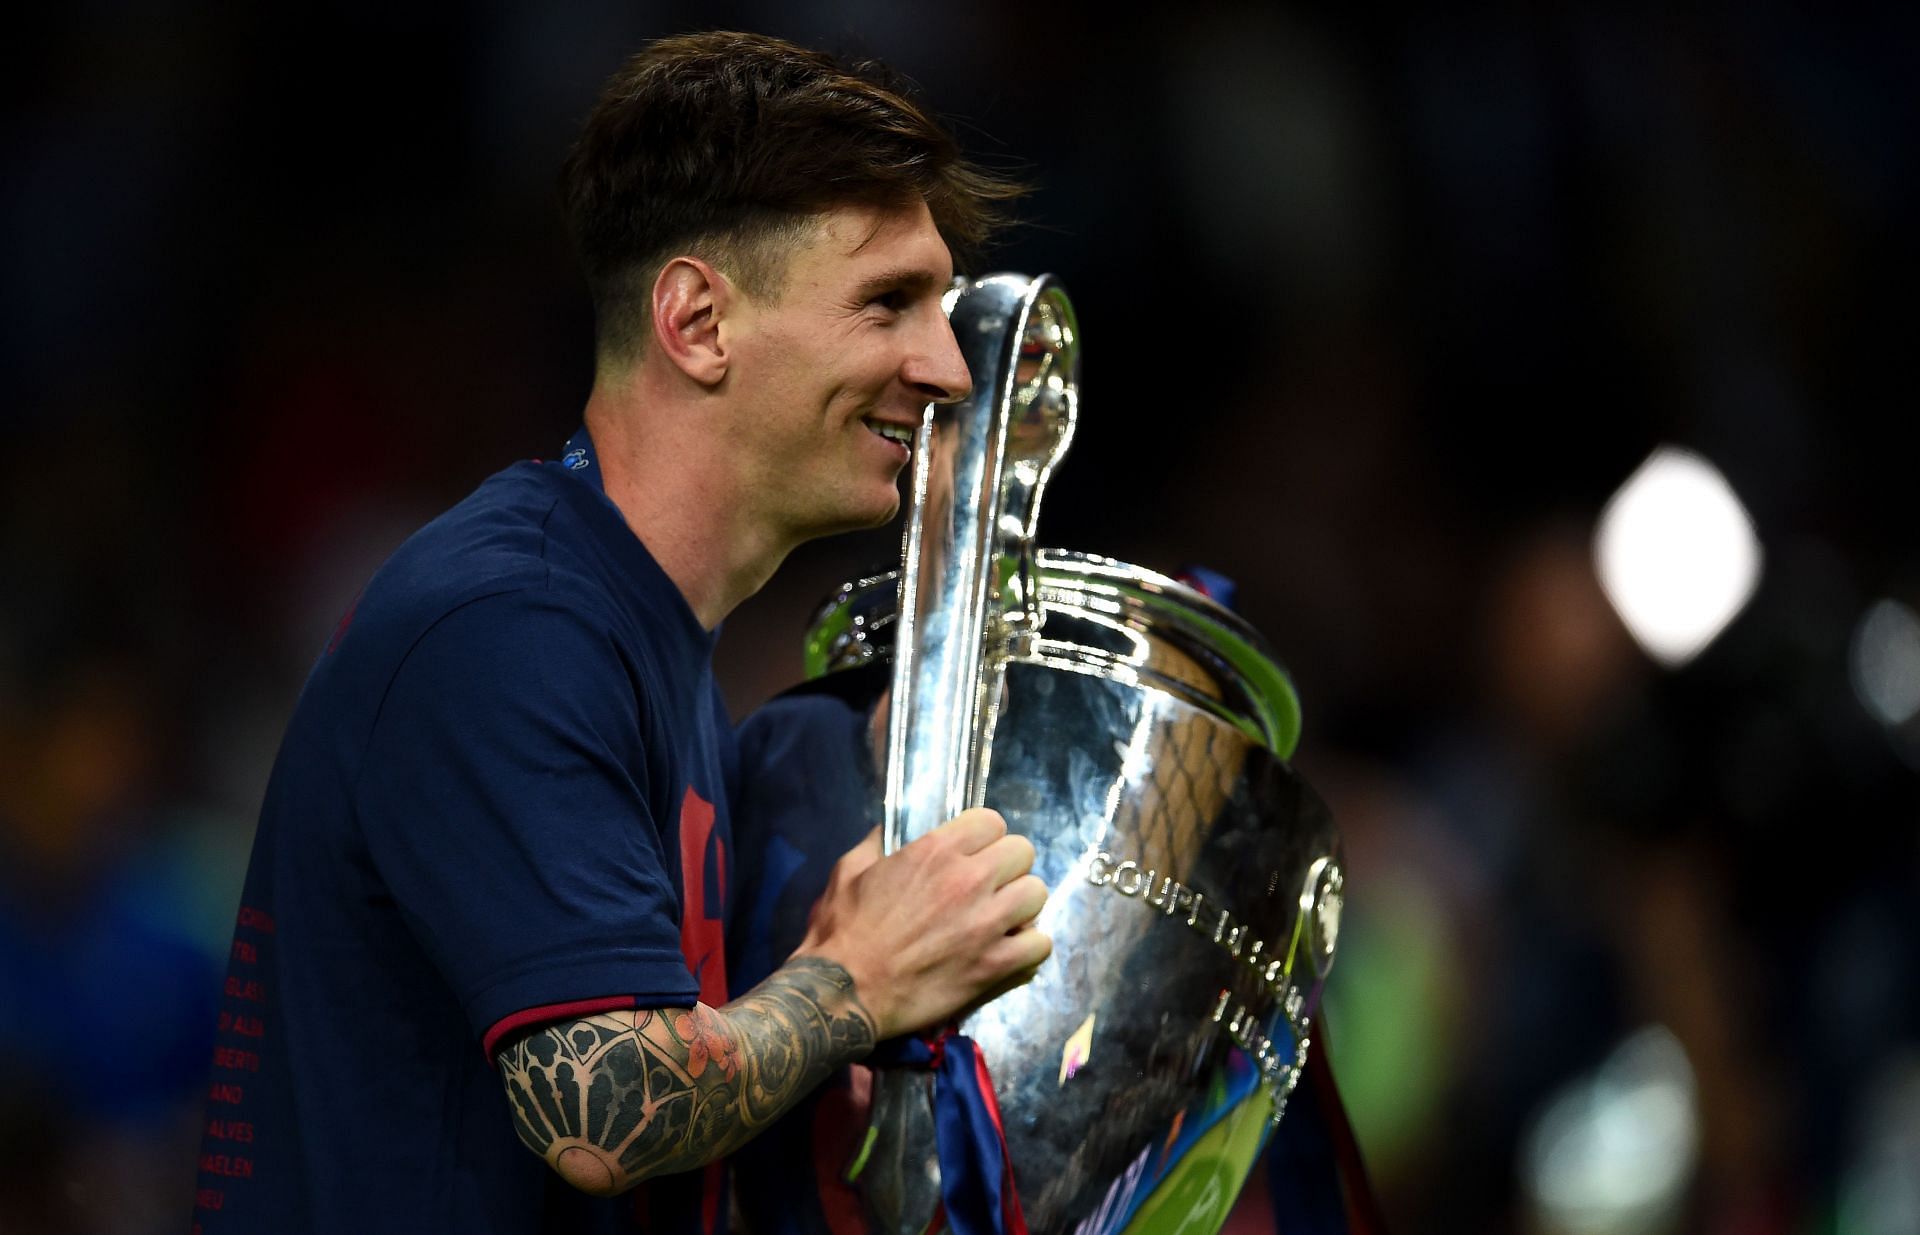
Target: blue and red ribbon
[{"x": 977, "y": 1191}]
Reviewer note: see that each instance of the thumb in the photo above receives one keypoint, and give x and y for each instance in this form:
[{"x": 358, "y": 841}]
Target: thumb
[{"x": 862, "y": 855}]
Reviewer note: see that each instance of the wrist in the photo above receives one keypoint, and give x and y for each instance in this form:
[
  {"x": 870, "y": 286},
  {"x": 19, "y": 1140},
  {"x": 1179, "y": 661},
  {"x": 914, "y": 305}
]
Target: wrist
[{"x": 845, "y": 989}]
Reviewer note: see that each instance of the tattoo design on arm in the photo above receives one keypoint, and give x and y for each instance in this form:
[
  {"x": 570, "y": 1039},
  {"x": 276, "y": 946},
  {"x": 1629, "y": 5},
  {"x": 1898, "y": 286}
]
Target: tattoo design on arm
[{"x": 609, "y": 1100}]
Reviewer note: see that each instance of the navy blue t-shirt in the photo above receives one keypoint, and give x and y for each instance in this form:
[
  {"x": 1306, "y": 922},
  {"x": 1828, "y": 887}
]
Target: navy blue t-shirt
[{"x": 501, "y": 802}]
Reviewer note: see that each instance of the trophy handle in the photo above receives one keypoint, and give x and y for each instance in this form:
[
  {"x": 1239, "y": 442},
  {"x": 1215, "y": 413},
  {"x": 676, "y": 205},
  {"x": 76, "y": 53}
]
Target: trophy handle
[{"x": 980, "y": 468}]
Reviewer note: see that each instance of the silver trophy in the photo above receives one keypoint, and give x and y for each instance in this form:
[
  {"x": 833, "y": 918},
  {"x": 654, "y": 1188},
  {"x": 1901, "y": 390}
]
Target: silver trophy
[{"x": 1137, "y": 733}]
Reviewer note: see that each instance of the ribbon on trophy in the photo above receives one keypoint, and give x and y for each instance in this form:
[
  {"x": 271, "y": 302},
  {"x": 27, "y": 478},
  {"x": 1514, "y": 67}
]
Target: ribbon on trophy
[
  {"x": 977, "y": 1193},
  {"x": 1211, "y": 584}
]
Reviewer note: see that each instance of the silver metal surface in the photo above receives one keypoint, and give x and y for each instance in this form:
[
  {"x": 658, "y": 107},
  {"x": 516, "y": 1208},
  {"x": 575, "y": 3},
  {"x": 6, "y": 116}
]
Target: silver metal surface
[
  {"x": 1102, "y": 611},
  {"x": 1137, "y": 733},
  {"x": 1178, "y": 852},
  {"x": 979, "y": 470}
]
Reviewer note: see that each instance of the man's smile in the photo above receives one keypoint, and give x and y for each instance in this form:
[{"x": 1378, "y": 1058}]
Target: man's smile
[{"x": 894, "y": 431}]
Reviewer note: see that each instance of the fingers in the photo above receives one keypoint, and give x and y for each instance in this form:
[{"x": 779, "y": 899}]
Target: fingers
[
  {"x": 1017, "y": 904},
  {"x": 1009, "y": 858},
  {"x": 980, "y": 835},
  {"x": 1019, "y": 953},
  {"x": 970, "y": 831}
]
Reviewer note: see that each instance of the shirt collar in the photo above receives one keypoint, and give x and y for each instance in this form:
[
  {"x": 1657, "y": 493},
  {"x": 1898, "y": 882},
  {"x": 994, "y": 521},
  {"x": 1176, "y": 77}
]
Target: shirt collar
[
  {"x": 579, "y": 458},
  {"x": 582, "y": 461}
]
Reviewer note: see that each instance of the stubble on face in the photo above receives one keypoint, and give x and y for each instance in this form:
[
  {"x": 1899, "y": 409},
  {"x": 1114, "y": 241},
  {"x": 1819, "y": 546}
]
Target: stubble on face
[{"x": 846, "y": 340}]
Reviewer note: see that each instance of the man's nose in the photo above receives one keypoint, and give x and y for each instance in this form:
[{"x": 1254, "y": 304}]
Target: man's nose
[{"x": 938, "y": 369}]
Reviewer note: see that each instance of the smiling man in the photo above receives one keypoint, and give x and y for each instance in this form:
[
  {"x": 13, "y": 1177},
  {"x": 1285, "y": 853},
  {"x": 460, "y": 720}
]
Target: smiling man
[
  {"x": 478, "y": 981},
  {"x": 796, "y": 404}
]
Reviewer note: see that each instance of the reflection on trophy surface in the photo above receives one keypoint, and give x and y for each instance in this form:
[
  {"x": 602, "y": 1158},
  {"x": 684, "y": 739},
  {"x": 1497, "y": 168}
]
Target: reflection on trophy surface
[{"x": 1137, "y": 733}]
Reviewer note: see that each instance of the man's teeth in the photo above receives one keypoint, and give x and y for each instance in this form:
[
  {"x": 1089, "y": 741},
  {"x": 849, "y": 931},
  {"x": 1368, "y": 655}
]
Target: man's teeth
[{"x": 902, "y": 434}]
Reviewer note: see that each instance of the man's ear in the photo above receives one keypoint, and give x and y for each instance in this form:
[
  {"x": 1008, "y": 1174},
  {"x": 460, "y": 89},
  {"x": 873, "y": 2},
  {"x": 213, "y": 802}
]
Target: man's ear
[{"x": 690, "y": 298}]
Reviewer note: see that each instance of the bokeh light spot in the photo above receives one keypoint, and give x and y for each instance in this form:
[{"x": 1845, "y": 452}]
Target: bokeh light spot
[
  {"x": 1885, "y": 662},
  {"x": 1676, "y": 554},
  {"x": 1613, "y": 1153}
]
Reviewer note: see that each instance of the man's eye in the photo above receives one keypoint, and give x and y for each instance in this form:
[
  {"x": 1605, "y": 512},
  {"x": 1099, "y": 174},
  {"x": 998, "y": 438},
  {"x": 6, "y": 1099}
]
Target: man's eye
[{"x": 894, "y": 301}]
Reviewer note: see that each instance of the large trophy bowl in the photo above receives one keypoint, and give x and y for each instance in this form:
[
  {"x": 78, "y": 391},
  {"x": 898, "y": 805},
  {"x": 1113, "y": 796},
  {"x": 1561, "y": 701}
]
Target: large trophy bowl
[{"x": 1137, "y": 732}]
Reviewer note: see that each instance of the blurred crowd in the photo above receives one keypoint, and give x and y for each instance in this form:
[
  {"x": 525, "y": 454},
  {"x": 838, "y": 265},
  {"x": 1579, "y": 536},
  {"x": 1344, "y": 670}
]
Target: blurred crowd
[{"x": 1379, "y": 307}]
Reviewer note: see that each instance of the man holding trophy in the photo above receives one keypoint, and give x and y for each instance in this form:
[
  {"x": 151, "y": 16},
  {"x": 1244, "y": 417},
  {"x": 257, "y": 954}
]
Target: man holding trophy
[{"x": 480, "y": 978}]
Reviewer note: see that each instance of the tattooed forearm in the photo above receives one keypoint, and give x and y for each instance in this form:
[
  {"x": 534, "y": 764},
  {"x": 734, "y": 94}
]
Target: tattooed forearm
[{"x": 612, "y": 1099}]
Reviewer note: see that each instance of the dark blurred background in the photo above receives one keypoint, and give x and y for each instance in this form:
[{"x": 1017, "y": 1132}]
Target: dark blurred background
[{"x": 1380, "y": 309}]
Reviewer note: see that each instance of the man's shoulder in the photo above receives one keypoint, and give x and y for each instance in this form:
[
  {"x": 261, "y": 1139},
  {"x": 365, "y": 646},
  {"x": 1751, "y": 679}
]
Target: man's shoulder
[
  {"x": 494, "y": 538},
  {"x": 532, "y": 567},
  {"x": 493, "y": 543}
]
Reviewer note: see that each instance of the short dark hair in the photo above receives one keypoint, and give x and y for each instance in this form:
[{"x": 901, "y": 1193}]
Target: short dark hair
[{"x": 723, "y": 144}]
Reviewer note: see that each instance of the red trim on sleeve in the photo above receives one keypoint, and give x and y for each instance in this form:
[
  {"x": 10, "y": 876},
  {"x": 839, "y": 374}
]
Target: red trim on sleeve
[{"x": 572, "y": 1010}]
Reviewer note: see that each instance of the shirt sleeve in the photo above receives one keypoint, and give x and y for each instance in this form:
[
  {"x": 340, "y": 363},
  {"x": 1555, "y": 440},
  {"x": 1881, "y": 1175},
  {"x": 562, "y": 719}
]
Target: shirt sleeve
[{"x": 504, "y": 801}]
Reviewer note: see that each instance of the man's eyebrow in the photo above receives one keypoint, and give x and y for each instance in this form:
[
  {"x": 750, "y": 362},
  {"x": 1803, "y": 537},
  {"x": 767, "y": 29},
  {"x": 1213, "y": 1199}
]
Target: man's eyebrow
[{"x": 917, "y": 279}]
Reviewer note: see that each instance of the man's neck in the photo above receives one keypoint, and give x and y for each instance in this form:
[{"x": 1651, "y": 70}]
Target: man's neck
[{"x": 679, "y": 496}]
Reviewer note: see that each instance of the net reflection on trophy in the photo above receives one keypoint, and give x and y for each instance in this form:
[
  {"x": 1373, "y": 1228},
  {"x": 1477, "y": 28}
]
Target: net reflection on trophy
[{"x": 1137, "y": 733}]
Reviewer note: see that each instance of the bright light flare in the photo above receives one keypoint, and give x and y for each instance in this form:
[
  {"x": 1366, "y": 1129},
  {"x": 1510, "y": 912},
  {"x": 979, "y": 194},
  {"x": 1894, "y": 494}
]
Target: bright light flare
[
  {"x": 1885, "y": 663},
  {"x": 1676, "y": 554},
  {"x": 1614, "y": 1152}
]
